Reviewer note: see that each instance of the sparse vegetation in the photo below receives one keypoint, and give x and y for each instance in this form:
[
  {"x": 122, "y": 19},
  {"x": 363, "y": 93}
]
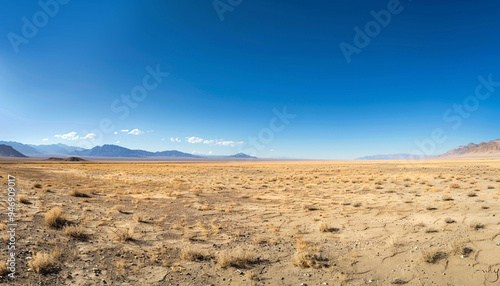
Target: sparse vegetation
[
  {"x": 78, "y": 194},
  {"x": 76, "y": 232},
  {"x": 124, "y": 235},
  {"x": 55, "y": 218},
  {"x": 184, "y": 219},
  {"x": 24, "y": 199},
  {"x": 195, "y": 254},
  {"x": 433, "y": 255},
  {"x": 239, "y": 258},
  {"x": 449, "y": 220},
  {"x": 3, "y": 269},
  {"x": 43, "y": 263},
  {"x": 476, "y": 225}
]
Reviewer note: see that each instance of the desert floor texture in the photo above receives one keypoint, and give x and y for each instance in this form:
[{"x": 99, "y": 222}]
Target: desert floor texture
[{"x": 254, "y": 223}]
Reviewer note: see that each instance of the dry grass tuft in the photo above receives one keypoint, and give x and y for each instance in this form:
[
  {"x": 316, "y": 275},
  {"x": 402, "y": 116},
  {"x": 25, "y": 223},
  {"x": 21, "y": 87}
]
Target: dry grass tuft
[
  {"x": 449, "y": 220},
  {"x": 55, "y": 218},
  {"x": 433, "y": 255},
  {"x": 239, "y": 258},
  {"x": 78, "y": 194},
  {"x": 308, "y": 255},
  {"x": 447, "y": 198},
  {"x": 454, "y": 186},
  {"x": 475, "y": 225},
  {"x": 458, "y": 247},
  {"x": 195, "y": 254},
  {"x": 3, "y": 269},
  {"x": 325, "y": 228},
  {"x": 471, "y": 194},
  {"x": 310, "y": 207},
  {"x": 309, "y": 260},
  {"x": 43, "y": 263},
  {"x": 431, "y": 230},
  {"x": 24, "y": 199},
  {"x": 76, "y": 232},
  {"x": 125, "y": 235}
]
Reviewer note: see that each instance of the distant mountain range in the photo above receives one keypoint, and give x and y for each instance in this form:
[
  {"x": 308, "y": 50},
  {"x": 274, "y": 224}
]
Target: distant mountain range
[
  {"x": 392, "y": 157},
  {"x": 483, "y": 149},
  {"x": 111, "y": 151},
  {"x": 16, "y": 149},
  {"x": 8, "y": 151}
]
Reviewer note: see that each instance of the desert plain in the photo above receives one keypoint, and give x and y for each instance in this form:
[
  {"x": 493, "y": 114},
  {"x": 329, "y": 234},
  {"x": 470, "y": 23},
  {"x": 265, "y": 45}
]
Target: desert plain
[{"x": 433, "y": 222}]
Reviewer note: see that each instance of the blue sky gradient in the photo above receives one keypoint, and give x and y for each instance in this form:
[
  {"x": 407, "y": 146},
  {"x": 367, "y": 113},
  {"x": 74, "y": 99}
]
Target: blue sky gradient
[{"x": 226, "y": 77}]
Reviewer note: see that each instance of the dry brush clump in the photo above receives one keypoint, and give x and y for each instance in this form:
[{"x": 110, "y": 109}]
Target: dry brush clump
[
  {"x": 476, "y": 225},
  {"x": 449, "y": 220},
  {"x": 24, "y": 199},
  {"x": 308, "y": 255},
  {"x": 195, "y": 254},
  {"x": 3, "y": 269},
  {"x": 76, "y": 232},
  {"x": 43, "y": 263},
  {"x": 56, "y": 218},
  {"x": 447, "y": 198},
  {"x": 239, "y": 258},
  {"x": 125, "y": 235},
  {"x": 325, "y": 228},
  {"x": 78, "y": 194},
  {"x": 458, "y": 247},
  {"x": 433, "y": 256}
]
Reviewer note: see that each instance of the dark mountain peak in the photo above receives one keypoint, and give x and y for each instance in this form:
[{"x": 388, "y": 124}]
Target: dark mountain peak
[{"x": 8, "y": 151}]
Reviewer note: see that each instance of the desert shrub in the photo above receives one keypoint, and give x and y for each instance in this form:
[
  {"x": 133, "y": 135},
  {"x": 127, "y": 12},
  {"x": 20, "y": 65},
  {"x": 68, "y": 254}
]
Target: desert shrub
[
  {"x": 43, "y": 263},
  {"x": 55, "y": 218}
]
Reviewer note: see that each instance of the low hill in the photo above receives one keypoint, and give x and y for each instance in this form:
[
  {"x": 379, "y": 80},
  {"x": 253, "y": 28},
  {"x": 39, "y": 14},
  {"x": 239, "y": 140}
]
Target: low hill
[
  {"x": 69, "y": 159},
  {"x": 241, "y": 156}
]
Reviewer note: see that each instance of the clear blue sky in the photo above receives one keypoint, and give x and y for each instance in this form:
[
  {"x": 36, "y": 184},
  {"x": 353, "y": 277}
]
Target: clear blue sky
[{"x": 225, "y": 77}]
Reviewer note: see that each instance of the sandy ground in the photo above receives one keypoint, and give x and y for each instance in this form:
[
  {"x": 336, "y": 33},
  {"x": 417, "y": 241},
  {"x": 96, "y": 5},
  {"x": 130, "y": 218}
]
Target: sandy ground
[{"x": 254, "y": 223}]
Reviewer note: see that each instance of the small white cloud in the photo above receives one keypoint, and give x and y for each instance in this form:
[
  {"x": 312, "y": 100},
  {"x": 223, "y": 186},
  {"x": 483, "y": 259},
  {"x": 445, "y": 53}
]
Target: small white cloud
[
  {"x": 195, "y": 140},
  {"x": 209, "y": 152},
  {"x": 73, "y": 136},
  {"x": 125, "y": 130},
  {"x": 69, "y": 136},
  {"x": 162, "y": 139},
  {"x": 136, "y": 132},
  {"x": 176, "y": 139},
  {"x": 115, "y": 132},
  {"x": 219, "y": 142},
  {"x": 89, "y": 136},
  {"x": 117, "y": 142},
  {"x": 228, "y": 143},
  {"x": 46, "y": 139}
]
